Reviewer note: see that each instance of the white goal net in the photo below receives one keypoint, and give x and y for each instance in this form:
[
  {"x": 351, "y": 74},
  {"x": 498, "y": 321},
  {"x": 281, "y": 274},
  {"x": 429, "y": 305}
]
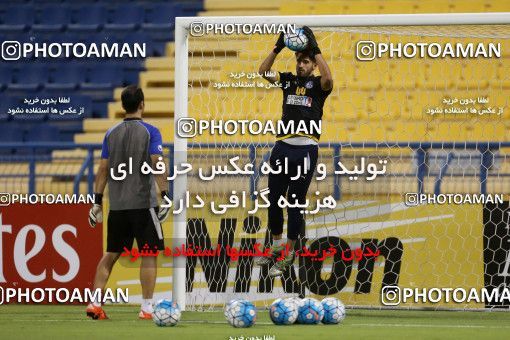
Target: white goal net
[{"x": 426, "y": 97}]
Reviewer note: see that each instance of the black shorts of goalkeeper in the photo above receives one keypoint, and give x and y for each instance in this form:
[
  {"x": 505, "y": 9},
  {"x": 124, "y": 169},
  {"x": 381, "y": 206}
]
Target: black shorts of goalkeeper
[{"x": 125, "y": 226}]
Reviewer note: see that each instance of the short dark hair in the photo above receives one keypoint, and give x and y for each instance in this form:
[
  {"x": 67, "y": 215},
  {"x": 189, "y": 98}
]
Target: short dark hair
[
  {"x": 131, "y": 98},
  {"x": 306, "y": 54}
]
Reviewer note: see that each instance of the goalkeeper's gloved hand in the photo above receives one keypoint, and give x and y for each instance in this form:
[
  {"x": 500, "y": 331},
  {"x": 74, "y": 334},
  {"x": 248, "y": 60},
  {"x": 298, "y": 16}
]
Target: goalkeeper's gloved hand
[
  {"x": 163, "y": 212},
  {"x": 280, "y": 44},
  {"x": 96, "y": 212},
  {"x": 312, "y": 42}
]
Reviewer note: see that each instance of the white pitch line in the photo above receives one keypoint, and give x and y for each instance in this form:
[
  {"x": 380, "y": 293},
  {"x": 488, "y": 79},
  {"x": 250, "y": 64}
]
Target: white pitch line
[
  {"x": 270, "y": 323},
  {"x": 129, "y": 321},
  {"x": 422, "y": 325},
  {"x": 70, "y": 320},
  {"x": 221, "y": 322}
]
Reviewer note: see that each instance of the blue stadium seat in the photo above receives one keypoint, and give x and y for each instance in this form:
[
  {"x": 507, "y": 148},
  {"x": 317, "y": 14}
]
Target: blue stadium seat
[
  {"x": 52, "y": 18},
  {"x": 43, "y": 133},
  {"x": 67, "y": 76},
  {"x": 5, "y": 76},
  {"x": 101, "y": 37},
  {"x": 161, "y": 16},
  {"x": 10, "y": 132},
  {"x": 66, "y": 36},
  {"x": 103, "y": 76},
  {"x": 159, "y": 20},
  {"x": 30, "y": 77},
  {"x": 7, "y": 102},
  {"x": 17, "y": 18},
  {"x": 89, "y": 18},
  {"x": 100, "y": 109},
  {"x": 190, "y": 8},
  {"x": 4, "y": 117},
  {"x": 125, "y": 17},
  {"x": 76, "y": 102}
]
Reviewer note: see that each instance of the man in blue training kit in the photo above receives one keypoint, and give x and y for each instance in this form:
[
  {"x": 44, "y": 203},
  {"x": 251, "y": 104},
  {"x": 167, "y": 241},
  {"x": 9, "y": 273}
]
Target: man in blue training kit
[
  {"x": 134, "y": 212},
  {"x": 303, "y": 100}
]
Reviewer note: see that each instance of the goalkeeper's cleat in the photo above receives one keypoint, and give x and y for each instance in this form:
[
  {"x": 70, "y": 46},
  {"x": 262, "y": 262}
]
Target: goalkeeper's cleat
[
  {"x": 278, "y": 268},
  {"x": 274, "y": 252},
  {"x": 144, "y": 315},
  {"x": 96, "y": 313}
]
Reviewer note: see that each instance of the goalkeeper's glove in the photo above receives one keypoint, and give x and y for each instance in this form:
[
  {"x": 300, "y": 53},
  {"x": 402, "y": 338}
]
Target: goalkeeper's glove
[
  {"x": 163, "y": 212},
  {"x": 280, "y": 44},
  {"x": 96, "y": 212},
  {"x": 312, "y": 42}
]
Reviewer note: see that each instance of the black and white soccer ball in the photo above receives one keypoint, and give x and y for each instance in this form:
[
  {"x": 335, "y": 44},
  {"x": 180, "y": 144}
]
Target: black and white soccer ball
[
  {"x": 310, "y": 311},
  {"x": 228, "y": 306},
  {"x": 334, "y": 310},
  {"x": 241, "y": 314},
  {"x": 166, "y": 313},
  {"x": 296, "y": 41},
  {"x": 283, "y": 311}
]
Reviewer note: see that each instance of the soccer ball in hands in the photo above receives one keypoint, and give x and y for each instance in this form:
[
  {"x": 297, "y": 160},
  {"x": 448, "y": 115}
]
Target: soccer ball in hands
[
  {"x": 296, "y": 41},
  {"x": 334, "y": 310},
  {"x": 310, "y": 311},
  {"x": 283, "y": 311},
  {"x": 166, "y": 313},
  {"x": 241, "y": 313}
]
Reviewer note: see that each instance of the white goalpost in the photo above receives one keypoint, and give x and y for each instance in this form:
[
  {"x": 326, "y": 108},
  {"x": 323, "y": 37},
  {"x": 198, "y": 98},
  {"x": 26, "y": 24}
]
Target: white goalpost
[{"x": 379, "y": 109}]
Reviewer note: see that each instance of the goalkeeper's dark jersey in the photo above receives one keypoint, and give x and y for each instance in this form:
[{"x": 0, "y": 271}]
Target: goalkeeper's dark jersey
[{"x": 303, "y": 100}]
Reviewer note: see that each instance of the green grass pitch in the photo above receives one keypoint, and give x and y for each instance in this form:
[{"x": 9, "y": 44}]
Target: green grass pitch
[{"x": 70, "y": 322}]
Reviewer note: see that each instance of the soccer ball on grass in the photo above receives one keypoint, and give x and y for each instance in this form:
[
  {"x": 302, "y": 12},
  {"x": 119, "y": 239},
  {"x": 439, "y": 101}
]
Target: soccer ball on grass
[{"x": 166, "y": 313}]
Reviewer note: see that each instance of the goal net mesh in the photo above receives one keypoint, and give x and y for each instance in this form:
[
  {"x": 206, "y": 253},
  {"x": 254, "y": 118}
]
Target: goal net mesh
[{"x": 381, "y": 109}]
